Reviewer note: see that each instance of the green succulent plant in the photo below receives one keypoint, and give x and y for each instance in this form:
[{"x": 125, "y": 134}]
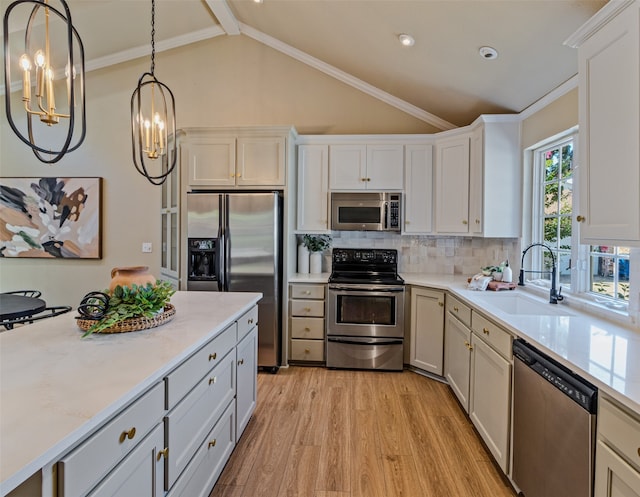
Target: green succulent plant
[{"x": 316, "y": 243}]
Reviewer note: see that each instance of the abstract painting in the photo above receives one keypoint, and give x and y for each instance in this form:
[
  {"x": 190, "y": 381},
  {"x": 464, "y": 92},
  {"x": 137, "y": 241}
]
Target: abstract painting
[{"x": 50, "y": 217}]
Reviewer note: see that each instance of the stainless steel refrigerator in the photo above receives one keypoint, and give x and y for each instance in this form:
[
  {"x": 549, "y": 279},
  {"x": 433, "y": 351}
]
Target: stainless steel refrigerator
[{"x": 235, "y": 245}]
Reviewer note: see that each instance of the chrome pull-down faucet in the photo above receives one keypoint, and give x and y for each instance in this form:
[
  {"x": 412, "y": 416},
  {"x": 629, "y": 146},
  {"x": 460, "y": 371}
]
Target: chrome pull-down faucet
[{"x": 554, "y": 295}]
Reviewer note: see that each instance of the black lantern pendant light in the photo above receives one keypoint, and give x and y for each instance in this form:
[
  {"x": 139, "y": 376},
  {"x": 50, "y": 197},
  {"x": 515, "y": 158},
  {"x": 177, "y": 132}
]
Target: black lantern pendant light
[
  {"x": 52, "y": 47},
  {"x": 153, "y": 122}
]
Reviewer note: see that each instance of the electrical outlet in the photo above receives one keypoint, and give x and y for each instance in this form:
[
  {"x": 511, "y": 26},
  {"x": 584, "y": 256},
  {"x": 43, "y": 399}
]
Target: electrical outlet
[{"x": 147, "y": 247}]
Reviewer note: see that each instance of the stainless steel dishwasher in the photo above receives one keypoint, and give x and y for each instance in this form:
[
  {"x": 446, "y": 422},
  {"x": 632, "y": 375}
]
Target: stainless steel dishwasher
[{"x": 553, "y": 427}]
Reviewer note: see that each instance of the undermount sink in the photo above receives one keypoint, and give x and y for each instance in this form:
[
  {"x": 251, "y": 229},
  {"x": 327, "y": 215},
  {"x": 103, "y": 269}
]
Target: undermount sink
[{"x": 524, "y": 306}]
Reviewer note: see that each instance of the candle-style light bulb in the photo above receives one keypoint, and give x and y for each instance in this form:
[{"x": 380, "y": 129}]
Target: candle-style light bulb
[
  {"x": 39, "y": 60},
  {"x": 147, "y": 125},
  {"x": 25, "y": 64},
  {"x": 161, "y": 134}
]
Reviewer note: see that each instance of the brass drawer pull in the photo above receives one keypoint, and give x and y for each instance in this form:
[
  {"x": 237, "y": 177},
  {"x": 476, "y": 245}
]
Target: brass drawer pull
[
  {"x": 307, "y": 309},
  {"x": 485, "y": 331},
  {"x": 163, "y": 453},
  {"x": 455, "y": 308},
  {"x": 250, "y": 321},
  {"x": 464, "y": 221},
  {"x": 581, "y": 219},
  {"x": 240, "y": 362},
  {"x": 212, "y": 357},
  {"x": 212, "y": 444},
  {"x": 307, "y": 351},
  {"x": 468, "y": 345},
  {"x": 306, "y": 328},
  {"x": 127, "y": 434},
  {"x": 212, "y": 380},
  {"x": 307, "y": 292}
]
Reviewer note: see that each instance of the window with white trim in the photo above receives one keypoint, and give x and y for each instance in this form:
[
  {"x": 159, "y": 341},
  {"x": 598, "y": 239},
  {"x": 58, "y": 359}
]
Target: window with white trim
[{"x": 603, "y": 274}]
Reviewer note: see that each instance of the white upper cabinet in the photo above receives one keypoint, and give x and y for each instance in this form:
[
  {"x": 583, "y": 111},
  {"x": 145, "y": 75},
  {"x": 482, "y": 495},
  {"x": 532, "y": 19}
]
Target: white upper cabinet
[
  {"x": 235, "y": 157},
  {"x": 609, "y": 95},
  {"x": 495, "y": 178},
  {"x": 452, "y": 184},
  {"x": 366, "y": 167},
  {"x": 418, "y": 189},
  {"x": 313, "y": 188}
]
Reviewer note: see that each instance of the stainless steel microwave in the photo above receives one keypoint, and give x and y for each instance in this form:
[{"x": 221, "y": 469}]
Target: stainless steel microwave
[{"x": 366, "y": 211}]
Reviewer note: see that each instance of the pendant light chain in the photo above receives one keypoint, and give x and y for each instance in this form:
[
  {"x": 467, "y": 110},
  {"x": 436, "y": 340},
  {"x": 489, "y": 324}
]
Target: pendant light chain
[{"x": 153, "y": 36}]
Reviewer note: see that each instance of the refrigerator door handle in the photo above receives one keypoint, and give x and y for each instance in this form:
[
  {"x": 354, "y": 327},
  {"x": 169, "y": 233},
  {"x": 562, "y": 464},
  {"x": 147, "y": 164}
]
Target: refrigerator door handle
[
  {"x": 226, "y": 244},
  {"x": 220, "y": 248}
]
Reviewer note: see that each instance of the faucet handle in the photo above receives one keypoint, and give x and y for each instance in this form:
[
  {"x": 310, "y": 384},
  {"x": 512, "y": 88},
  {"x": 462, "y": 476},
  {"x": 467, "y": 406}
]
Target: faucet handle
[{"x": 559, "y": 296}]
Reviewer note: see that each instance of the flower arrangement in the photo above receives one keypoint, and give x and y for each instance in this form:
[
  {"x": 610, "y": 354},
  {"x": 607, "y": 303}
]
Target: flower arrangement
[{"x": 316, "y": 243}]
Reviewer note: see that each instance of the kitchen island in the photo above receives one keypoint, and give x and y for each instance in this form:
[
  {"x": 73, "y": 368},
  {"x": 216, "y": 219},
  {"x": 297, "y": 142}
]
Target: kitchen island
[{"x": 57, "y": 389}]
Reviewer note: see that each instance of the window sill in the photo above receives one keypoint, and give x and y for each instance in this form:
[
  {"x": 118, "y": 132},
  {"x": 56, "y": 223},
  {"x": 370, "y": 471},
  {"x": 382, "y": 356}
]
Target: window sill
[{"x": 588, "y": 305}]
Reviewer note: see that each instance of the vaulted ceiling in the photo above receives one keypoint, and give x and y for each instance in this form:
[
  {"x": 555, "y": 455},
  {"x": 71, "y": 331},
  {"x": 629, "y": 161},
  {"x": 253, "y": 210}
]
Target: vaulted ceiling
[{"x": 441, "y": 79}]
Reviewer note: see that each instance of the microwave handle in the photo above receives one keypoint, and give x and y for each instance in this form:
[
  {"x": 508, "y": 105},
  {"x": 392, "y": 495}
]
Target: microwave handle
[{"x": 387, "y": 215}]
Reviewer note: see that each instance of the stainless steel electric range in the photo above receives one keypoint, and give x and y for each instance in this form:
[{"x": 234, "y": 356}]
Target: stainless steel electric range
[{"x": 366, "y": 310}]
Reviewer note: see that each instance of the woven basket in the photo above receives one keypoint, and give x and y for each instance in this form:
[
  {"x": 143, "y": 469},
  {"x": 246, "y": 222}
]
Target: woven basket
[{"x": 133, "y": 324}]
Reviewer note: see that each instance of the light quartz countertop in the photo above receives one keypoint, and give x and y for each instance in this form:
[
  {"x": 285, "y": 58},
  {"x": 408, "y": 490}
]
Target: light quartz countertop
[
  {"x": 605, "y": 353},
  {"x": 56, "y": 388},
  {"x": 602, "y": 351},
  {"x": 309, "y": 278}
]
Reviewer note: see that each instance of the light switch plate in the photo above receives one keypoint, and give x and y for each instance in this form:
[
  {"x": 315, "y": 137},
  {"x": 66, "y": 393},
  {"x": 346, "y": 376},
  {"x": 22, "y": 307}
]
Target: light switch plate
[{"x": 147, "y": 247}]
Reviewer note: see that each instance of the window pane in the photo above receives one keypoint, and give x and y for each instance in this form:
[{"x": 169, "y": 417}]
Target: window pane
[
  {"x": 551, "y": 231},
  {"x": 551, "y": 199},
  {"x": 567, "y": 160},
  {"x": 602, "y": 275},
  {"x": 564, "y": 269},
  {"x": 565, "y": 233},
  {"x": 602, "y": 249},
  {"x": 552, "y": 162}
]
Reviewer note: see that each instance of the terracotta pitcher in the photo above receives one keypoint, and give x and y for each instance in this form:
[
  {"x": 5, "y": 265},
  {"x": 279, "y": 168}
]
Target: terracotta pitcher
[{"x": 127, "y": 276}]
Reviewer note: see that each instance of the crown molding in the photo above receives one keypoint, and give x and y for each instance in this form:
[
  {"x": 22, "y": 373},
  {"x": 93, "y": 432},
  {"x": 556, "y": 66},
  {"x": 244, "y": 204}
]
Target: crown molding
[
  {"x": 346, "y": 78},
  {"x": 602, "y": 17},
  {"x": 553, "y": 95}
]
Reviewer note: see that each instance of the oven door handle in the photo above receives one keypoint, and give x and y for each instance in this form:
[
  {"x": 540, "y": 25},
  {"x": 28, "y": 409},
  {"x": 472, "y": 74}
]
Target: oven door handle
[
  {"x": 366, "y": 341},
  {"x": 360, "y": 288}
]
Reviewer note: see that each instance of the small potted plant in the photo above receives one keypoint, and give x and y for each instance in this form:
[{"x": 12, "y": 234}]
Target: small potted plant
[{"x": 316, "y": 244}]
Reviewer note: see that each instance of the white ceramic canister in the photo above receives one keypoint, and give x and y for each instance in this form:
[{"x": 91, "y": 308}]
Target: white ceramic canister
[
  {"x": 315, "y": 264},
  {"x": 303, "y": 259}
]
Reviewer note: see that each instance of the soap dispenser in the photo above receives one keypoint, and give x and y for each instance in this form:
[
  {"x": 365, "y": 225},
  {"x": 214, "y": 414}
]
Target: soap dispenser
[{"x": 507, "y": 274}]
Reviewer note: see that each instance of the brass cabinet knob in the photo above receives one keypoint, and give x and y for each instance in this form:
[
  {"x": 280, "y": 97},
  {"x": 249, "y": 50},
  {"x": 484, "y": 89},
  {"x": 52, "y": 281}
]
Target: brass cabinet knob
[
  {"x": 212, "y": 380},
  {"x": 477, "y": 221},
  {"x": 363, "y": 179},
  {"x": 485, "y": 331},
  {"x": 212, "y": 443},
  {"x": 306, "y": 328},
  {"x": 212, "y": 357},
  {"x": 238, "y": 175},
  {"x": 580, "y": 219},
  {"x": 407, "y": 222},
  {"x": 468, "y": 345},
  {"x": 307, "y": 351},
  {"x": 307, "y": 292},
  {"x": 368, "y": 179},
  {"x": 455, "y": 308},
  {"x": 163, "y": 453},
  {"x": 441, "y": 304},
  {"x": 127, "y": 434},
  {"x": 307, "y": 309},
  {"x": 464, "y": 221},
  {"x": 250, "y": 321},
  {"x": 240, "y": 362}
]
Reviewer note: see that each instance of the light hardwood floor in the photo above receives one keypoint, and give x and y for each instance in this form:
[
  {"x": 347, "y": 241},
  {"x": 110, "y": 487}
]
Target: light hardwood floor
[{"x": 331, "y": 433}]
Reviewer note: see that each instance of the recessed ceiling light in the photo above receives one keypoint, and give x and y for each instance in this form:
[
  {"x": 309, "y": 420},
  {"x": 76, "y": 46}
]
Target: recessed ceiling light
[
  {"x": 258, "y": 1},
  {"x": 488, "y": 53},
  {"x": 406, "y": 40}
]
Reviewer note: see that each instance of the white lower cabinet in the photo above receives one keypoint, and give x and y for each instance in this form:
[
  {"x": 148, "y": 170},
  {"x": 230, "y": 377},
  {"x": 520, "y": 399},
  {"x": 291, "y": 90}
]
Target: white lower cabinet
[
  {"x": 490, "y": 399},
  {"x": 86, "y": 465},
  {"x": 193, "y": 417},
  {"x": 209, "y": 460},
  {"x": 140, "y": 474},
  {"x": 617, "y": 472},
  {"x": 457, "y": 357},
  {"x": 246, "y": 379},
  {"x": 427, "y": 330}
]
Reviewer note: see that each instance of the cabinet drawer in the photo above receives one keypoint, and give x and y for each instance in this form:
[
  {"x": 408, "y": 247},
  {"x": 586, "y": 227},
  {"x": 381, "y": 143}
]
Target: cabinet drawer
[
  {"x": 188, "y": 374},
  {"x": 310, "y": 328},
  {"x": 303, "y": 308},
  {"x": 207, "y": 464},
  {"x": 187, "y": 425},
  {"x": 459, "y": 310},
  {"x": 307, "y": 350},
  {"x": 491, "y": 333},
  {"x": 84, "y": 467},
  {"x": 140, "y": 473},
  {"x": 307, "y": 292},
  {"x": 620, "y": 430},
  {"x": 247, "y": 322}
]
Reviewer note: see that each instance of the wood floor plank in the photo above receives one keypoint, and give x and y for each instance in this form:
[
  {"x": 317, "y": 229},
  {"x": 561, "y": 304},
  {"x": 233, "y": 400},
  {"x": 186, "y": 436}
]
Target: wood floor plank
[
  {"x": 299, "y": 479},
  {"x": 318, "y": 432}
]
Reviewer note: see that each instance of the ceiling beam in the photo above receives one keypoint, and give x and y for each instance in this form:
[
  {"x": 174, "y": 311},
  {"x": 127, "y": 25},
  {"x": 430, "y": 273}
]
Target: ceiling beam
[{"x": 225, "y": 17}]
